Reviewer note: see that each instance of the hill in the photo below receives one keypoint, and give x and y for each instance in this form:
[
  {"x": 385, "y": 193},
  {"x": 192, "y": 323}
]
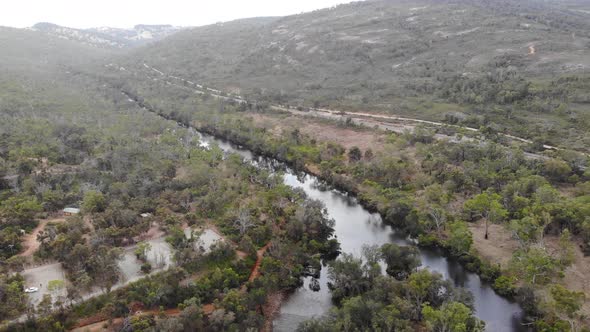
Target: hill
[
  {"x": 516, "y": 66},
  {"x": 109, "y": 37},
  {"x": 28, "y": 52}
]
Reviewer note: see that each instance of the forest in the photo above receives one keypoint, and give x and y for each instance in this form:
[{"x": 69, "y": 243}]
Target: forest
[
  {"x": 169, "y": 185},
  {"x": 434, "y": 191}
]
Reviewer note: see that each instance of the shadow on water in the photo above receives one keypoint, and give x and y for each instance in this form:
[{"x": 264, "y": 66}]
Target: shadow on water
[{"x": 356, "y": 227}]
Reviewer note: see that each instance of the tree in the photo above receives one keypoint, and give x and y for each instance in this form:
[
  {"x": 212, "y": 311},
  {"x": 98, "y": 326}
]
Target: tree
[
  {"x": 192, "y": 314},
  {"x": 141, "y": 251},
  {"x": 105, "y": 268},
  {"x": 243, "y": 221},
  {"x": 556, "y": 169},
  {"x": 355, "y": 154},
  {"x": 451, "y": 317},
  {"x": 401, "y": 260},
  {"x": 19, "y": 211},
  {"x": 44, "y": 307},
  {"x": 221, "y": 320},
  {"x": 529, "y": 229},
  {"x": 534, "y": 265},
  {"x": 488, "y": 207},
  {"x": 347, "y": 277},
  {"x": 94, "y": 202},
  {"x": 369, "y": 155},
  {"x": 55, "y": 286},
  {"x": 436, "y": 204},
  {"x": 460, "y": 238},
  {"x": 566, "y": 249},
  {"x": 567, "y": 303},
  {"x": 419, "y": 285}
]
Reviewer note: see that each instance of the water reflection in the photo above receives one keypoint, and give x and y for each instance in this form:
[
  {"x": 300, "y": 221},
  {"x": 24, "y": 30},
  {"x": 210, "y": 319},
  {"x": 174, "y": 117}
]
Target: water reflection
[{"x": 355, "y": 227}]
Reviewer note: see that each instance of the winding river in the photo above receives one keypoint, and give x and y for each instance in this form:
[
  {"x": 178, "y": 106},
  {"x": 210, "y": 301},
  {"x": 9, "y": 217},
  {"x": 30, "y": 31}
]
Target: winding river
[{"x": 356, "y": 227}]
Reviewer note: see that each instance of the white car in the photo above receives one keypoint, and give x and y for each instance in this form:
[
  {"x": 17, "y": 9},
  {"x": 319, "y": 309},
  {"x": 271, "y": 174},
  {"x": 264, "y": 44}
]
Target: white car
[{"x": 31, "y": 290}]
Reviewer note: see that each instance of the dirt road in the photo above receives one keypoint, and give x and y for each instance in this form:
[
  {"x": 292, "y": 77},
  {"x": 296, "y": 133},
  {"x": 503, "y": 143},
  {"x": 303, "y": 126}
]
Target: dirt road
[
  {"x": 30, "y": 240},
  {"x": 399, "y": 123}
]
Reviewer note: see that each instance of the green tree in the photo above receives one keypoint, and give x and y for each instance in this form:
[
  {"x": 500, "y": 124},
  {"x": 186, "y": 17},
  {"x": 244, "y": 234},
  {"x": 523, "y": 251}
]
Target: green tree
[
  {"x": 55, "y": 286},
  {"x": 105, "y": 268},
  {"x": 460, "y": 238},
  {"x": 419, "y": 285},
  {"x": 451, "y": 317},
  {"x": 401, "y": 260},
  {"x": 141, "y": 250},
  {"x": 19, "y": 211},
  {"x": 557, "y": 170},
  {"x": 567, "y": 303},
  {"x": 94, "y": 202},
  {"x": 534, "y": 265},
  {"x": 488, "y": 207},
  {"x": 347, "y": 277}
]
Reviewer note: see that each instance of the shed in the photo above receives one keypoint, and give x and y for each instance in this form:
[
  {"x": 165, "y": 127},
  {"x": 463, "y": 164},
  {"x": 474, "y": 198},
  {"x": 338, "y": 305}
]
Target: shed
[{"x": 71, "y": 211}]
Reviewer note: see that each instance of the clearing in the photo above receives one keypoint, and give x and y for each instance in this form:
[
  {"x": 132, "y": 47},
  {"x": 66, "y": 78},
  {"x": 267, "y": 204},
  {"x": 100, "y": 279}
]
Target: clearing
[
  {"x": 30, "y": 240},
  {"x": 500, "y": 245}
]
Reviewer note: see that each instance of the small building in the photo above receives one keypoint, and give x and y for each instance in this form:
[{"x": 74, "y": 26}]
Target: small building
[
  {"x": 146, "y": 215},
  {"x": 71, "y": 211}
]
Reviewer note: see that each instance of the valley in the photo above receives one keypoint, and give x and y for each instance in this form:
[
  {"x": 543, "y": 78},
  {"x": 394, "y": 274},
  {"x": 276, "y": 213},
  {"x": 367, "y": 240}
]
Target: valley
[{"x": 386, "y": 165}]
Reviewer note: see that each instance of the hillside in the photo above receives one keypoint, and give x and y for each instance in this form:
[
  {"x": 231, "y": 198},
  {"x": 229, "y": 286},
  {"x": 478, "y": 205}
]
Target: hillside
[
  {"x": 489, "y": 62},
  {"x": 32, "y": 53}
]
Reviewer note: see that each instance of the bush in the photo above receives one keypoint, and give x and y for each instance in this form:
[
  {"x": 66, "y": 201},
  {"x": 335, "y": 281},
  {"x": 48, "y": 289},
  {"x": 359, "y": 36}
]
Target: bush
[
  {"x": 505, "y": 286},
  {"x": 489, "y": 272},
  {"x": 427, "y": 240},
  {"x": 146, "y": 267}
]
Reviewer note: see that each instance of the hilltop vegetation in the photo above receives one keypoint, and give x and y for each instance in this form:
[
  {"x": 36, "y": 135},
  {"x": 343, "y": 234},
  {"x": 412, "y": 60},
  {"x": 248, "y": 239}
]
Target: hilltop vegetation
[
  {"x": 518, "y": 66},
  {"x": 32, "y": 53}
]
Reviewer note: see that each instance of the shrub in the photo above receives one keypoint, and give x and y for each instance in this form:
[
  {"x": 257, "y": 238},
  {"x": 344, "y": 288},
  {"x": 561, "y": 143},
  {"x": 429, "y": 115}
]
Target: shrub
[
  {"x": 146, "y": 267},
  {"x": 505, "y": 286}
]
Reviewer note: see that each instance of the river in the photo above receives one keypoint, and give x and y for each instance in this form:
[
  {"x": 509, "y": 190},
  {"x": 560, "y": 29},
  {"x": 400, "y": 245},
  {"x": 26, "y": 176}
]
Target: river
[{"x": 356, "y": 227}]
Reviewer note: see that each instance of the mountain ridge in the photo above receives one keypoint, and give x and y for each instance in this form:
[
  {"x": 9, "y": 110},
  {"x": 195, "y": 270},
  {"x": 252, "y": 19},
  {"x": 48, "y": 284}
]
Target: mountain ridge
[
  {"x": 109, "y": 37},
  {"x": 426, "y": 58}
]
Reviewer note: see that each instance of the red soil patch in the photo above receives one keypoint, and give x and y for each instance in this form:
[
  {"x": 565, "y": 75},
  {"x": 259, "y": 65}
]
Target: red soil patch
[
  {"x": 208, "y": 309},
  {"x": 256, "y": 268},
  {"x": 271, "y": 308}
]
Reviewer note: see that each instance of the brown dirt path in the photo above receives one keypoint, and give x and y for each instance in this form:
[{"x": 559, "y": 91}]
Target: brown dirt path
[
  {"x": 256, "y": 268},
  {"x": 30, "y": 240}
]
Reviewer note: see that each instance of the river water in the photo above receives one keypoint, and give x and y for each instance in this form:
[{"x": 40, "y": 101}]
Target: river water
[{"x": 356, "y": 227}]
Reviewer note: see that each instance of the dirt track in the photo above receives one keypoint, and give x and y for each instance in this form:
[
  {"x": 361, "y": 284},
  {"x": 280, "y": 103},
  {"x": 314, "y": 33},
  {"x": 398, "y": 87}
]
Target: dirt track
[{"x": 30, "y": 240}]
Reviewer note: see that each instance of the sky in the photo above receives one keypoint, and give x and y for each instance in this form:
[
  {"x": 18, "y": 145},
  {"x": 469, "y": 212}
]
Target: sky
[{"x": 127, "y": 13}]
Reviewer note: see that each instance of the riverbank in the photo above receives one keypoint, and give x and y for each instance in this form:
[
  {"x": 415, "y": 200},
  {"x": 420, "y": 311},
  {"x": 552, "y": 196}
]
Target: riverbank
[
  {"x": 472, "y": 263},
  {"x": 353, "y": 189}
]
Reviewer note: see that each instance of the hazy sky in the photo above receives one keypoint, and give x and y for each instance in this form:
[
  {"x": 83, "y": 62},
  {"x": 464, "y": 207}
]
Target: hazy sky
[{"x": 127, "y": 13}]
